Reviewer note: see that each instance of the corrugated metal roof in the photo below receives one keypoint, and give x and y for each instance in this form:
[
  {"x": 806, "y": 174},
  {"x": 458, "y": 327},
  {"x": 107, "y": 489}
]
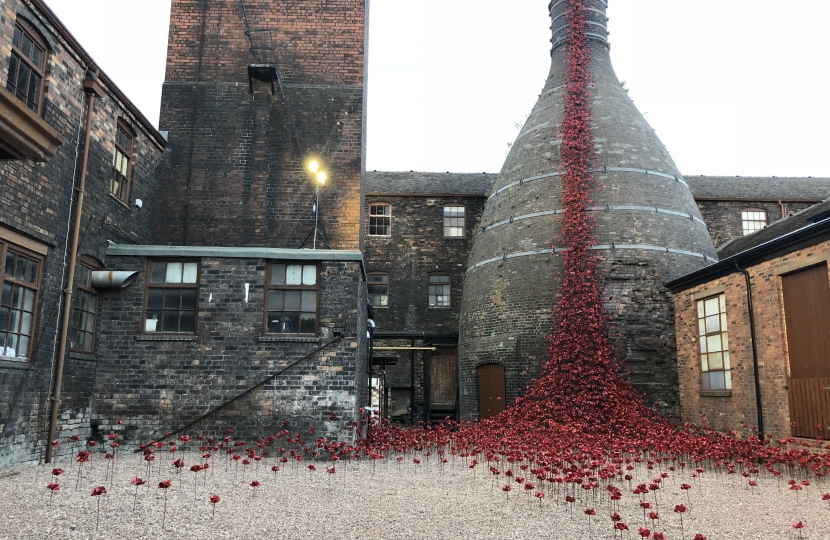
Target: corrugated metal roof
[
  {"x": 429, "y": 182},
  {"x": 759, "y": 187}
]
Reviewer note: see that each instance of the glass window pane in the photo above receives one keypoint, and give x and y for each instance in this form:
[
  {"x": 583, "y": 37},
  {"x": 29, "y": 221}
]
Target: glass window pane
[
  {"x": 722, "y": 300},
  {"x": 701, "y": 327},
  {"x": 172, "y": 298},
  {"x": 174, "y": 272},
  {"x": 309, "y": 301},
  {"x": 26, "y": 46},
  {"x": 728, "y": 380},
  {"x": 26, "y": 324},
  {"x": 17, "y": 297},
  {"x": 275, "y": 299},
  {"x": 18, "y": 36},
  {"x": 31, "y": 273},
  {"x": 29, "y": 300},
  {"x": 712, "y": 306},
  {"x": 700, "y": 313},
  {"x": 291, "y": 323},
  {"x": 90, "y": 323},
  {"x": 152, "y": 322},
  {"x": 309, "y": 274},
  {"x": 308, "y": 323},
  {"x": 723, "y": 321},
  {"x": 702, "y": 344},
  {"x": 292, "y": 300},
  {"x": 154, "y": 299},
  {"x": 717, "y": 380},
  {"x": 712, "y": 324},
  {"x": 37, "y": 56},
  {"x": 15, "y": 321},
  {"x": 273, "y": 322},
  {"x": 189, "y": 298},
  {"x": 705, "y": 382},
  {"x": 34, "y": 85},
  {"x": 187, "y": 322},
  {"x": 726, "y": 364},
  {"x": 704, "y": 364},
  {"x": 4, "y": 320},
  {"x": 278, "y": 274},
  {"x": 715, "y": 361},
  {"x": 23, "y": 347},
  {"x": 125, "y": 166},
  {"x": 20, "y": 268},
  {"x": 725, "y": 340},
  {"x": 82, "y": 300},
  {"x": 5, "y": 297},
  {"x": 9, "y": 263},
  {"x": 191, "y": 272},
  {"x": 294, "y": 274},
  {"x": 713, "y": 343},
  {"x": 170, "y": 321},
  {"x": 158, "y": 272}
]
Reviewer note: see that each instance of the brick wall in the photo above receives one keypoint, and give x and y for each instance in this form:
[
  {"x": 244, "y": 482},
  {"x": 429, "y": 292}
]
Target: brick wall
[
  {"x": 730, "y": 412},
  {"x": 158, "y": 383},
  {"x": 723, "y": 218},
  {"x": 35, "y": 201},
  {"x": 234, "y": 174}
]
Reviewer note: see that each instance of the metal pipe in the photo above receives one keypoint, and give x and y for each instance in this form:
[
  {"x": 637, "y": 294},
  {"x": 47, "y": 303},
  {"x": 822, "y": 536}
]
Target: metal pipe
[
  {"x": 70, "y": 278},
  {"x": 760, "y": 410},
  {"x": 412, "y": 380}
]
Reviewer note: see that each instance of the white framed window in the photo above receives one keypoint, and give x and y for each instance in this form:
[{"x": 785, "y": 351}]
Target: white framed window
[
  {"x": 716, "y": 368},
  {"x": 380, "y": 220},
  {"x": 753, "y": 220},
  {"x": 454, "y": 221}
]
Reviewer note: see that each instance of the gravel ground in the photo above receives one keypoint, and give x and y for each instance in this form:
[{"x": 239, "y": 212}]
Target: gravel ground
[{"x": 388, "y": 501}]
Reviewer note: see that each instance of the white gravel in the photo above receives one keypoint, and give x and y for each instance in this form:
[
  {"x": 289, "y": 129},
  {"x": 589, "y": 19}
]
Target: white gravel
[{"x": 389, "y": 500}]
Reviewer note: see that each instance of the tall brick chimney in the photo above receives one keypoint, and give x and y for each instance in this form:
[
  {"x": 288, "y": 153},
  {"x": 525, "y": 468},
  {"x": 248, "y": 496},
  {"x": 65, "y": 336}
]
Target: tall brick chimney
[
  {"x": 239, "y": 136},
  {"x": 648, "y": 231}
]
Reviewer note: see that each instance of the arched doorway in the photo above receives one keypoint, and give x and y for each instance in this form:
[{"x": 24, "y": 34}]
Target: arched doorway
[{"x": 491, "y": 390}]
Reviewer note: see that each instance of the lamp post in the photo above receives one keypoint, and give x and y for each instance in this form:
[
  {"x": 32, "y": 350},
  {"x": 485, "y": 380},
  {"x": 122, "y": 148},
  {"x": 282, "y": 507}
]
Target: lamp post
[{"x": 321, "y": 176}]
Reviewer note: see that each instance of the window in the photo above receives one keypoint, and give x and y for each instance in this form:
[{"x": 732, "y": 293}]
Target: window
[
  {"x": 26, "y": 66},
  {"x": 20, "y": 275},
  {"x": 378, "y": 289},
  {"x": 86, "y": 310},
  {"x": 753, "y": 220},
  {"x": 121, "y": 158},
  {"x": 439, "y": 290},
  {"x": 292, "y": 299},
  {"x": 172, "y": 296},
  {"x": 380, "y": 220},
  {"x": 714, "y": 343},
  {"x": 454, "y": 221}
]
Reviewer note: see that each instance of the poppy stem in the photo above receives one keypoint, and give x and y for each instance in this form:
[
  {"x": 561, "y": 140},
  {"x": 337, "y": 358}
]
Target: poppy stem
[{"x": 98, "y": 517}]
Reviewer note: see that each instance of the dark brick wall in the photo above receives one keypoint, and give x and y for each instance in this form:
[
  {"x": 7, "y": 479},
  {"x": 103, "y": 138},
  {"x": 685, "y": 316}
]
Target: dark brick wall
[
  {"x": 158, "y": 383},
  {"x": 723, "y": 218},
  {"x": 233, "y": 174},
  {"x": 35, "y": 201},
  {"x": 415, "y": 249}
]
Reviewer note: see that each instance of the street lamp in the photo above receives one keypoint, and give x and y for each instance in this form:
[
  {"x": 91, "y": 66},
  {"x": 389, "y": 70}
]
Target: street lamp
[{"x": 321, "y": 176}]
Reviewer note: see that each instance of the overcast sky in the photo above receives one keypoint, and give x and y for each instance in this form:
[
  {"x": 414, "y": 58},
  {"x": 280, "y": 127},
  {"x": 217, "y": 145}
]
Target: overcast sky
[{"x": 732, "y": 87}]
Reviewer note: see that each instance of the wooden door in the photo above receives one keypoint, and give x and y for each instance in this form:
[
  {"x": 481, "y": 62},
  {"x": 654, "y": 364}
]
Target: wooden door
[
  {"x": 443, "y": 381},
  {"x": 807, "y": 313},
  {"x": 491, "y": 390}
]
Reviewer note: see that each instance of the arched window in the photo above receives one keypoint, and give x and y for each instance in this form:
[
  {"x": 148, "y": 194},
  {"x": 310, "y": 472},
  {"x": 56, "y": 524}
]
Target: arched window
[
  {"x": 753, "y": 219},
  {"x": 27, "y": 65}
]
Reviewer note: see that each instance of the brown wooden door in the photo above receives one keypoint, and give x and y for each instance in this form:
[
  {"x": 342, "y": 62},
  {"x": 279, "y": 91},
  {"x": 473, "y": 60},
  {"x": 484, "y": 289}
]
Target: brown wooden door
[
  {"x": 443, "y": 381},
  {"x": 807, "y": 312},
  {"x": 491, "y": 390}
]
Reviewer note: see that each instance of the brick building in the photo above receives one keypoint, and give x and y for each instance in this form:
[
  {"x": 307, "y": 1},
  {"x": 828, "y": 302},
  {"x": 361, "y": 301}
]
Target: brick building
[
  {"x": 419, "y": 231},
  {"x": 753, "y": 330},
  {"x": 735, "y": 206},
  {"x": 47, "y": 149}
]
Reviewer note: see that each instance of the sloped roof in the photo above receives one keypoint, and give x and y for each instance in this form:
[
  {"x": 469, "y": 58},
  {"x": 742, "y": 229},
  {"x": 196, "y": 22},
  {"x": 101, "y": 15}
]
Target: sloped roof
[
  {"x": 414, "y": 182},
  {"x": 797, "y": 221},
  {"x": 759, "y": 187}
]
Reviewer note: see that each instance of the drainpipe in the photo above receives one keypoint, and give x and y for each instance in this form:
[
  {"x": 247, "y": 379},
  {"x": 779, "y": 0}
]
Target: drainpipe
[
  {"x": 754, "y": 352},
  {"x": 94, "y": 89},
  {"x": 783, "y": 209}
]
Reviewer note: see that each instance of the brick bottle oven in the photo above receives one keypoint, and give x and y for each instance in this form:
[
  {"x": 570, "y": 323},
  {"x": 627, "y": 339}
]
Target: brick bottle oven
[{"x": 648, "y": 231}]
